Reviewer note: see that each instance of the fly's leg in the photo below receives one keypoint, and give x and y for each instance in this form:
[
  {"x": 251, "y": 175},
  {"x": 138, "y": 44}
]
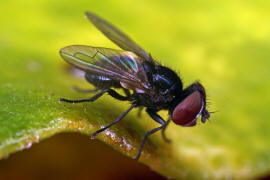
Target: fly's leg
[
  {"x": 95, "y": 97},
  {"x": 114, "y": 122},
  {"x": 167, "y": 140},
  {"x": 156, "y": 118},
  {"x": 127, "y": 92},
  {"x": 118, "y": 96},
  {"x": 111, "y": 92}
]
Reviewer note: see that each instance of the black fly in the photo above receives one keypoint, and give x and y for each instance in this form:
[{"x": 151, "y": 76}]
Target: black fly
[{"x": 152, "y": 86}]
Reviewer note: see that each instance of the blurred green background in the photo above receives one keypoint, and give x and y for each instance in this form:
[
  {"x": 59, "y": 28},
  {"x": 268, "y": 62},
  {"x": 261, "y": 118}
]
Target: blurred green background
[{"x": 224, "y": 44}]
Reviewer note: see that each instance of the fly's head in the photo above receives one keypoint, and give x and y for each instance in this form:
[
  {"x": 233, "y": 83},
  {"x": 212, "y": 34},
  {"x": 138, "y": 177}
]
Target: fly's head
[{"x": 187, "y": 110}]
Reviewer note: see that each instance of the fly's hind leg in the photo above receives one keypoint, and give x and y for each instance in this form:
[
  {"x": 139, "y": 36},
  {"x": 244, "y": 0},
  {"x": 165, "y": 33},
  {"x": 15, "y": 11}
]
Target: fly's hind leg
[
  {"x": 111, "y": 92},
  {"x": 95, "y": 97},
  {"x": 127, "y": 92},
  {"x": 118, "y": 96}
]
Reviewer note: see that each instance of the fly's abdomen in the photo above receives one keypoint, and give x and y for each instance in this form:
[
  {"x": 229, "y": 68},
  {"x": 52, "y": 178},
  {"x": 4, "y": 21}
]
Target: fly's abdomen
[{"x": 101, "y": 82}]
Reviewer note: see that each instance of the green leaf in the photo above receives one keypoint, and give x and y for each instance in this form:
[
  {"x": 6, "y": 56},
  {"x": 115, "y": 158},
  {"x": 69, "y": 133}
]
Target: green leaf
[{"x": 225, "y": 44}]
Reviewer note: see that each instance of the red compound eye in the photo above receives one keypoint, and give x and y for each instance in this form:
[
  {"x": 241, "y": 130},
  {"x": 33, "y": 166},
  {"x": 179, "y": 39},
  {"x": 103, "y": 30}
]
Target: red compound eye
[{"x": 186, "y": 112}]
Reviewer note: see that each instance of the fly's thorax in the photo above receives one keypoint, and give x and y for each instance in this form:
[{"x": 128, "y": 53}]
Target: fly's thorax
[{"x": 166, "y": 81}]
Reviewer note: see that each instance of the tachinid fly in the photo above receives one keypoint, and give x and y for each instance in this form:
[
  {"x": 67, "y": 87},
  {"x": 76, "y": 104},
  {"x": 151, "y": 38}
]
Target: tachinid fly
[{"x": 145, "y": 82}]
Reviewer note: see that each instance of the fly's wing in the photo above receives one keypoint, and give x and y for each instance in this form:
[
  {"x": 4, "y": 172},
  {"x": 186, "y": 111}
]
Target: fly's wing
[
  {"x": 116, "y": 36},
  {"x": 122, "y": 66}
]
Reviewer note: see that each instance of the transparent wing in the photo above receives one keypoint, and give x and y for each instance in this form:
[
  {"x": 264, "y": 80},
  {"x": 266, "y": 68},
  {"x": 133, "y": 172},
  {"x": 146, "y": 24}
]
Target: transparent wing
[
  {"x": 116, "y": 36},
  {"x": 122, "y": 66}
]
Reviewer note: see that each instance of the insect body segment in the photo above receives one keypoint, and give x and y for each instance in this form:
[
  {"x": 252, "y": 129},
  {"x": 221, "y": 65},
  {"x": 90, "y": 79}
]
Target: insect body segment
[{"x": 146, "y": 83}]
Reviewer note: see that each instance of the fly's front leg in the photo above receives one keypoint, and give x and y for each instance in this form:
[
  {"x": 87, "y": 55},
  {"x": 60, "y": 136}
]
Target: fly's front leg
[
  {"x": 156, "y": 118},
  {"x": 167, "y": 140}
]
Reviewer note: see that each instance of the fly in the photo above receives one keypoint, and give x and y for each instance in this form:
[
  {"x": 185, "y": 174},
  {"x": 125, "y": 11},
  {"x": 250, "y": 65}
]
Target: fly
[{"x": 146, "y": 83}]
